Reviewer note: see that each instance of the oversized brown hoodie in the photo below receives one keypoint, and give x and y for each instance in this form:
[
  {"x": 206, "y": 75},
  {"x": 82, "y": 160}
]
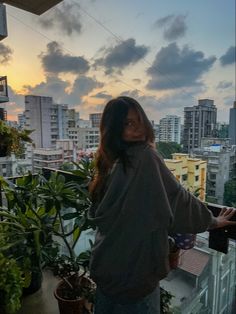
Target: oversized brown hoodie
[{"x": 139, "y": 209}]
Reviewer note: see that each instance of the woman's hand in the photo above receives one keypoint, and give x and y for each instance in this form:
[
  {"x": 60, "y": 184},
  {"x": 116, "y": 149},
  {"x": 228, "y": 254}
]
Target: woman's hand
[{"x": 223, "y": 219}]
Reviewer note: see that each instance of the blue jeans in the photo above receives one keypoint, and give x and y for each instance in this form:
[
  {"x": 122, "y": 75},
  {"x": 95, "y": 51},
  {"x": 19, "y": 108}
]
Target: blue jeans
[{"x": 148, "y": 305}]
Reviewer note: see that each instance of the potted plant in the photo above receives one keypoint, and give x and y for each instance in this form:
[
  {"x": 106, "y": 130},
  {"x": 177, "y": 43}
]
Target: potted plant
[
  {"x": 75, "y": 291},
  {"x": 12, "y": 140},
  {"x": 26, "y": 227},
  {"x": 165, "y": 300},
  {"x": 49, "y": 211},
  {"x": 11, "y": 285}
]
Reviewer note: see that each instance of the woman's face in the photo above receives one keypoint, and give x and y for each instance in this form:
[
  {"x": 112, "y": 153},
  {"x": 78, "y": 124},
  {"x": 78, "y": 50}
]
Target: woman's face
[{"x": 134, "y": 129}]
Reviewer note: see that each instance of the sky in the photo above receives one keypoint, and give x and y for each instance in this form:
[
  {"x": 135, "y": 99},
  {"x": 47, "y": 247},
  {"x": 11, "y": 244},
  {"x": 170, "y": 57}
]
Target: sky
[{"x": 167, "y": 54}]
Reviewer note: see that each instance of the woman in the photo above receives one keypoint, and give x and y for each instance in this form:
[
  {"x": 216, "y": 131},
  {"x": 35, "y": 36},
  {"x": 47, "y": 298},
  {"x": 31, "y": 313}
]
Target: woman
[{"x": 137, "y": 202}]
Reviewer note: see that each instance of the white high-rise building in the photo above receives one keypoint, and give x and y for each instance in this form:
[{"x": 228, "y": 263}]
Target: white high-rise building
[
  {"x": 232, "y": 125},
  {"x": 169, "y": 129},
  {"x": 84, "y": 138},
  {"x": 48, "y": 120}
]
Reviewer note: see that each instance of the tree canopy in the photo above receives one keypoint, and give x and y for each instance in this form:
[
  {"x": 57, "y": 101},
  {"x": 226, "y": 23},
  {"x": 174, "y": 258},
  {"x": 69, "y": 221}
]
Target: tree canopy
[
  {"x": 230, "y": 193},
  {"x": 168, "y": 148}
]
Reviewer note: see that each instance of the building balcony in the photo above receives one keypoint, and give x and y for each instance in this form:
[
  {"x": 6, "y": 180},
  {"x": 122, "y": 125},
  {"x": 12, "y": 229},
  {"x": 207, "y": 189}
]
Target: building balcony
[
  {"x": 36, "y": 7},
  {"x": 3, "y": 89},
  {"x": 204, "y": 281}
]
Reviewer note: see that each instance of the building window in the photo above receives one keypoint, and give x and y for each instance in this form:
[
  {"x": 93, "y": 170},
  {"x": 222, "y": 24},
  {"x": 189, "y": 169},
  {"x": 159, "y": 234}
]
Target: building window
[
  {"x": 184, "y": 177},
  {"x": 197, "y": 167},
  {"x": 196, "y": 178},
  {"x": 212, "y": 176}
]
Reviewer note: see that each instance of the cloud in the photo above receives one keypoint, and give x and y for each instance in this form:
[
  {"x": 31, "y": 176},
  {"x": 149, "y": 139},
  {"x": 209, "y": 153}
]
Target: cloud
[
  {"x": 229, "y": 100},
  {"x": 15, "y": 97},
  {"x": 102, "y": 95},
  {"x": 5, "y": 54},
  {"x": 65, "y": 16},
  {"x": 82, "y": 87},
  {"x": 53, "y": 87},
  {"x": 175, "y": 68},
  {"x": 137, "y": 81},
  {"x": 175, "y": 100},
  {"x": 122, "y": 55},
  {"x": 229, "y": 57},
  {"x": 62, "y": 91},
  {"x": 224, "y": 85},
  {"x": 174, "y": 26},
  {"x": 54, "y": 61}
]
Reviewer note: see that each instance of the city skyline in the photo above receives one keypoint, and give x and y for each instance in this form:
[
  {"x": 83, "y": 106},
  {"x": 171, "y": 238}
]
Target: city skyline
[{"x": 165, "y": 54}]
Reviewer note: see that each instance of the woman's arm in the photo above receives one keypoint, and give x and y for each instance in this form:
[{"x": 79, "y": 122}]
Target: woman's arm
[{"x": 190, "y": 215}]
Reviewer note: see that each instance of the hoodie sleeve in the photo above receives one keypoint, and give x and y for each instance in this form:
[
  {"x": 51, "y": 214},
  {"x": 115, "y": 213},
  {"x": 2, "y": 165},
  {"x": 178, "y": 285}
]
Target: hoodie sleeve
[{"x": 189, "y": 214}]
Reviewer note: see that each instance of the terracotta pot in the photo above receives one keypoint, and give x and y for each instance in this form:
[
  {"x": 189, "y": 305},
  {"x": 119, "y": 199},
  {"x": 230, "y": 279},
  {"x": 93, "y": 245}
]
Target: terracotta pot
[
  {"x": 79, "y": 306},
  {"x": 174, "y": 259}
]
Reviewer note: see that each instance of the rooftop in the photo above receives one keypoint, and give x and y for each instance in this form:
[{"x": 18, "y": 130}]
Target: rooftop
[{"x": 194, "y": 261}]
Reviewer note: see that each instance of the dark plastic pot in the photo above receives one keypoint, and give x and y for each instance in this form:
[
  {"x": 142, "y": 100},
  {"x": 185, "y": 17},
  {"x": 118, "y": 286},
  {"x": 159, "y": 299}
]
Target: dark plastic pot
[
  {"x": 3, "y": 151},
  {"x": 35, "y": 284}
]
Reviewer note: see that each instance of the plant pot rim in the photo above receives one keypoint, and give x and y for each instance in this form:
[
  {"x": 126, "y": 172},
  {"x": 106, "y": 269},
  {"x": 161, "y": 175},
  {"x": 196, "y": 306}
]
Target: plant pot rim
[{"x": 58, "y": 297}]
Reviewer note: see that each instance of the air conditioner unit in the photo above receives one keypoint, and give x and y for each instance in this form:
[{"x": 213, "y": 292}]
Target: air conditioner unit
[{"x": 3, "y": 21}]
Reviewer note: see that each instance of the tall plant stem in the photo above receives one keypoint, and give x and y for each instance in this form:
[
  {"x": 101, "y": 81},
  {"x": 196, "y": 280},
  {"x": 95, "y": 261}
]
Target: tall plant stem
[{"x": 63, "y": 236}]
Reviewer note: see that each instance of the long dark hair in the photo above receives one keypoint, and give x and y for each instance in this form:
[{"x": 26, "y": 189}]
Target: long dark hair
[{"x": 112, "y": 147}]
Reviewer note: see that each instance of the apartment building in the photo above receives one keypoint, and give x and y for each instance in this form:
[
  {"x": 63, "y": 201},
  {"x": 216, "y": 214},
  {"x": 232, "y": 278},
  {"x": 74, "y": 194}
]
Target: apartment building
[
  {"x": 221, "y": 167},
  {"x": 53, "y": 157},
  {"x": 222, "y": 130},
  {"x": 11, "y": 166},
  {"x": 3, "y": 97},
  {"x": 84, "y": 138},
  {"x": 21, "y": 120},
  {"x": 170, "y": 129},
  {"x": 3, "y": 89},
  {"x": 199, "y": 121},
  {"x": 190, "y": 172},
  {"x": 73, "y": 118},
  {"x": 232, "y": 124},
  {"x": 3, "y": 114},
  {"x": 48, "y": 120},
  {"x": 204, "y": 281},
  {"x": 95, "y": 118}
]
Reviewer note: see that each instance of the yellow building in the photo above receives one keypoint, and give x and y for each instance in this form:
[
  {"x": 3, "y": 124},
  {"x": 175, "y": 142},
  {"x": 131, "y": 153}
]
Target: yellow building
[{"x": 190, "y": 172}]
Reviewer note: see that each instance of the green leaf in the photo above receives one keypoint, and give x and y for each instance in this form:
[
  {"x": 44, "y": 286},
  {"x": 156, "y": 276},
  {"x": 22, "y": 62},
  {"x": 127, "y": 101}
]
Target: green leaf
[
  {"x": 27, "y": 278},
  {"x": 76, "y": 234},
  {"x": 69, "y": 216}
]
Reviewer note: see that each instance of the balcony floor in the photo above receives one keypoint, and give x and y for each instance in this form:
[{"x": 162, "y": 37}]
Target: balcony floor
[{"x": 42, "y": 301}]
